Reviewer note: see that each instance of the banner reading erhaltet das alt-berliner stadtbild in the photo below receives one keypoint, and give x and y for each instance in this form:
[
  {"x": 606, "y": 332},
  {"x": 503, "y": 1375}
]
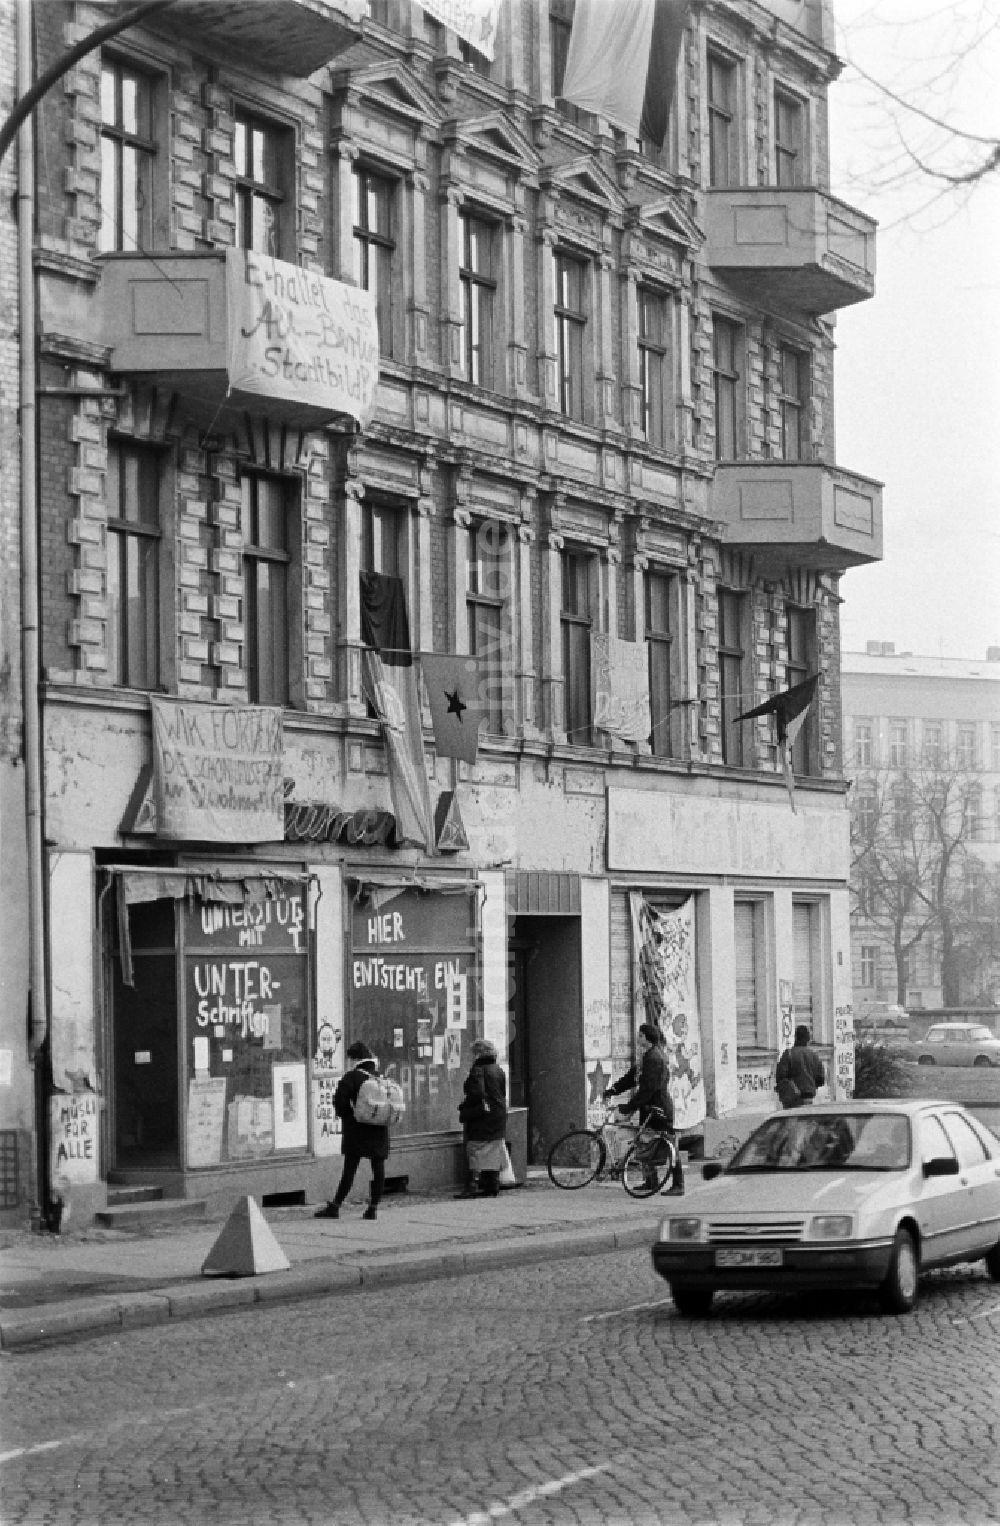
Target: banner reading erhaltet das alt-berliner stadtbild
[{"x": 297, "y": 335}]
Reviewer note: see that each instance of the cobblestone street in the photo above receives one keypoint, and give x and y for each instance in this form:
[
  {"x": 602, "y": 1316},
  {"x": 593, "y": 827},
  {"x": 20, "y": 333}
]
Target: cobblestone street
[{"x": 557, "y": 1393}]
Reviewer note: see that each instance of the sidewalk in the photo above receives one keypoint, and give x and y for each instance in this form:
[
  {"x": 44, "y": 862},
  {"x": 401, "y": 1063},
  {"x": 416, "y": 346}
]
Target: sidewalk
[{"x": 98, "y": 1281}]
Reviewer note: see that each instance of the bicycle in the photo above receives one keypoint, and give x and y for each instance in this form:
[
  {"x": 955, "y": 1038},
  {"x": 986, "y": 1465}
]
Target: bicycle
[{"x": 645, "y": 1165}]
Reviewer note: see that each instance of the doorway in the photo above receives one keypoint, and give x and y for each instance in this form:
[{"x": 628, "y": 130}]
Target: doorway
[
  {"x": 145, "y": 1131},
  {"x": 546, "y": 1028}
]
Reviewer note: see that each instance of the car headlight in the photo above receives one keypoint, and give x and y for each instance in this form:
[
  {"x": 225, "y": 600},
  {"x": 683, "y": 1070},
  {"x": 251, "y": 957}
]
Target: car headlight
[
  {"x": 831, "y": 1226},
  {"x": 683, "y": 1229}
]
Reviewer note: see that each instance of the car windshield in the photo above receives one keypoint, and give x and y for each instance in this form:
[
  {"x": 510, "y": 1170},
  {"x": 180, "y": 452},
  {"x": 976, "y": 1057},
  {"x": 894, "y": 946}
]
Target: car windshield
[{"x": 846, "y": 1142}]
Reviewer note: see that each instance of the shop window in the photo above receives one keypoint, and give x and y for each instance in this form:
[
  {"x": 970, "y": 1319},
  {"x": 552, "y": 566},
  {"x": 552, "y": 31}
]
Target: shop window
[
  {"x": 477, "y": 279},
  {"x": 899, "y": 744},
  {"x": 727, "y": 382},
  {"x": 375, "y": 246},
  {"x": 487, "y": 603},
  {"x": 751, "y": 971},
  {"x": 660, "y": 598},
  {"x": 736, "y": 749},
  {"x": 579, "y": 602},
  {"x": 723, "y": 141},
  {"x": 869, "y": 965},
  {"x": 127, "y": 157},
  {"x": 570, "y": 326},
  {"x": 415, "y": 997},
  {"x": 793, "y": 404},
  {"x": 655, "y": 392},
  {"x": 269, "y": 524},
  {"x": 133, "y": 565},
  {"x": 801, "y": 663},
  {"x": 806, "y": 964},
  {"x": 864, "y": 749},
  {"x": 261, "y": 152},
  {"x": 789, "y": 140}
]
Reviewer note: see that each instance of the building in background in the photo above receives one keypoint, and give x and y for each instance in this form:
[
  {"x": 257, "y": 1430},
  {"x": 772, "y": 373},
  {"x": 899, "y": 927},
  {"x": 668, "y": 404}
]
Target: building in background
[
  {"x": 923, "y": 751},
  {"x": 599, "y": 462}
]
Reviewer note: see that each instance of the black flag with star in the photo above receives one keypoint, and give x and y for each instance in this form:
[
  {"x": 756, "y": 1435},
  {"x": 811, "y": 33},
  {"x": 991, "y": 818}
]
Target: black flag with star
[{"x": 452, "y": 682}]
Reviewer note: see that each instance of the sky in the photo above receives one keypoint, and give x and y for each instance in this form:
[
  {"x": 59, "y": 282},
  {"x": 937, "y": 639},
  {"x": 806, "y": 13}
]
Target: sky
[{"x": 918, "y": 367}]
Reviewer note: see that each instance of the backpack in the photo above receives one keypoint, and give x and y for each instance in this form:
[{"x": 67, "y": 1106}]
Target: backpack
[{"x": 379, "y": 1101}]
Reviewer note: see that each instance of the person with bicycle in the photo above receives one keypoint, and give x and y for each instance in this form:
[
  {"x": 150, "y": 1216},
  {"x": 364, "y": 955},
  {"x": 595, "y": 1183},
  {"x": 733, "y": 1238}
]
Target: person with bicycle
[{"x": 649, "y": 1081}]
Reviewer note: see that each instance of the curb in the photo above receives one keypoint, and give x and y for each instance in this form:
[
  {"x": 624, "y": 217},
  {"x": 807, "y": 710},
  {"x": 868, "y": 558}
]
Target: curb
[{"x": 108, "y": 1314}]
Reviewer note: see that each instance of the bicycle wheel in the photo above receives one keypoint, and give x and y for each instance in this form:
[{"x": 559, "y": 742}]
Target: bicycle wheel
[
  {"x": 647, "y": 1166},
  {"x": 576, "y": 1158}
]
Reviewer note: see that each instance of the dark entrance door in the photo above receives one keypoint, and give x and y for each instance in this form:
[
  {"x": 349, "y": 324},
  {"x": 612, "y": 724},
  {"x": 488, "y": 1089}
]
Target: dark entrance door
[
  {"x": 144, "y": 1023},
  {"x": 547, "y": 1010}
]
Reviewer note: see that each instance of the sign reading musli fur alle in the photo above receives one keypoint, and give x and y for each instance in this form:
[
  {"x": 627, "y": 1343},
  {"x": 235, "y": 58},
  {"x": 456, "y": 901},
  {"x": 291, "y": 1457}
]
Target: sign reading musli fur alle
[
  {"x": 666, "y": 994},
  {"x": 217, "y": 771}
]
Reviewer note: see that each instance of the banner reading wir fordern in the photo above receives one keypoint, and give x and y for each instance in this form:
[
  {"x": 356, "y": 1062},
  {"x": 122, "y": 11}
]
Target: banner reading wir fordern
[{"x": 217, "y": 771}]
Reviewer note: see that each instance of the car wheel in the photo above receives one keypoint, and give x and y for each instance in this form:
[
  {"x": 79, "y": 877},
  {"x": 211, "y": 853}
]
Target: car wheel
[
  {"x": 982, "y": 1061},
  {"x": 993, "y": 1262},
  {"x": 898, "y": 1292},
  {"x": 925, "y": 1059},
  {"x": 691, "y": 1303}
]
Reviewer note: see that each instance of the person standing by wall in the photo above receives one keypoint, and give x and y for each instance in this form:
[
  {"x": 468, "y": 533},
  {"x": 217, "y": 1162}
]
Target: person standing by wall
[
  {"x": 483, "y": 1115},
  {"x": 358, "y": 1140},
  {"x": 799, "y": 1072},
  {"x": 650, "y": 1078}
]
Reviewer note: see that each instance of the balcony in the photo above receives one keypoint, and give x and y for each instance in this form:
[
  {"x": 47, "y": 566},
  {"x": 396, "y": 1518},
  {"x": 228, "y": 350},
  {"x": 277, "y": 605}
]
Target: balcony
[
  {"x": 789, "y": 246},
  {"x": 237, "y": 333},
  {"x": 798, "y": 513},
  {"x": 294, "y": 37}
]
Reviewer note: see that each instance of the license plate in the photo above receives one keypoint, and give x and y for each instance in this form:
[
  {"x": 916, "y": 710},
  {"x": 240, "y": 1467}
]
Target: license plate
[{"x": 737, "y": 1256}]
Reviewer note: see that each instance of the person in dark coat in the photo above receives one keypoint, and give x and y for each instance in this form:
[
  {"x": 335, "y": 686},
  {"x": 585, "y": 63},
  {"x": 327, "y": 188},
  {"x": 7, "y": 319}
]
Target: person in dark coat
[
  {"x": 357, "y": 1140},
  {"x": 483, "y": 1115},
  {"x": 799, "y": 1072},
  {"x": 650, "y": 1083}
]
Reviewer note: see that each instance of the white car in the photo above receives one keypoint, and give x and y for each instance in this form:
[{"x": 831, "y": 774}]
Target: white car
[
  {"x": 958, "y": 1044},
  {"x": 860, "y": 1195}
]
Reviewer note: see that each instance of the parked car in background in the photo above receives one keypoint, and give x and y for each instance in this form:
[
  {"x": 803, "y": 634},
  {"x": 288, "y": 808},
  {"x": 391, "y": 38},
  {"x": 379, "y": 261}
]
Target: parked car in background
[
  {"x": 862, "y": 1195},
  {"x": 958, "y": 1044}
]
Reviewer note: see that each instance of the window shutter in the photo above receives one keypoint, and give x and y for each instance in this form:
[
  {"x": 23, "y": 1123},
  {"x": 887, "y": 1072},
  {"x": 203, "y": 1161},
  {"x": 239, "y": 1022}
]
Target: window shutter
[
  {"x": 745, "y": 938},
  {"x": 803, "y": 954}
]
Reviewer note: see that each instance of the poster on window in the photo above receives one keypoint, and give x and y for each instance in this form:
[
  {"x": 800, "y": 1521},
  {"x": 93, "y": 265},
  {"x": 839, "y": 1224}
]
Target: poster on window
[
  {"x": 217, "y": 771},
  {"x": 665, "y": 993},
  {"x": 620, "y": 672}
]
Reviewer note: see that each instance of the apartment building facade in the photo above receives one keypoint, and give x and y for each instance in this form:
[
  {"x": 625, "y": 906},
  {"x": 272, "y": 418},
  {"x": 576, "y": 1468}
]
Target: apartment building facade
[
  {"x": 914, "y": 725},
  {"x": 604, "y": 409}
]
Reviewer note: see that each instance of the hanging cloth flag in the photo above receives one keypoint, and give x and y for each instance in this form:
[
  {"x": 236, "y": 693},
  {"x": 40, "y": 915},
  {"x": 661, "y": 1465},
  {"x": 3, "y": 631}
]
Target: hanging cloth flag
[
  {"x": 622, "y": 62},
  {"x": 456, "y": 708},
  {"x": 620, "y": 681},
  {"x": 391, "y": 683},
  {"x": 475, "y": 21},
  {"x": 790, "y": 709}
]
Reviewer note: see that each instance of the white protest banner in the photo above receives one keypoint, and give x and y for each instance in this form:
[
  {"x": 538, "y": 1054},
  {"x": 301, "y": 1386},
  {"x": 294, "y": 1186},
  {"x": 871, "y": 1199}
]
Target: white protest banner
[
  {"x": 297, "y": 335},
  {"x": 666, "y": 994},
  {"x": 621, "y": 687},
  {"x": 475, "y": 21},
  {"x": 217, "y": 771}
]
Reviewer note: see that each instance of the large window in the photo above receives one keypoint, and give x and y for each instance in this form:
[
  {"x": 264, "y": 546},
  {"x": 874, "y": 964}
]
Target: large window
[
  {"x": 966, "y": 750},
  {"x": 374, "y": 246},
  {"x": 654, "y": 365},
  {"x": 384, "y": 539},
  {"x": 899, "y": 744},
  {"x": 486, "y": 601},
  {"x": 133, "y": 582},
  {"x": 659, "y": 641},
  {"x": 995, "y": 749},
  {"x": 732, "y": 614},
  {"x": 578, "y": 603},
  {"x": 869, "y": 965},
  {"x": 257, "y": 151},
  {"x": 723, "y": 147},
  {"x": 802, "y": 662},
  {"x": 727, "y": 365},
  {"x": 570, "y": 324},
  {"x": 864, "y": 743},
  {"x": 866, "y": 814},
  {"x": 789, "y": 140},
  {"x": 750, "y": 948},
  {"x": 267, "y": 515},
  {"x": 806, "y": 964},
  {"x": 479, "y": 286},
  {"x": 560, "y": 30},
  {"x": 127, "y": 150},
  {"x": 793, "y": 402},
  {"x": 933, "y": 744}
]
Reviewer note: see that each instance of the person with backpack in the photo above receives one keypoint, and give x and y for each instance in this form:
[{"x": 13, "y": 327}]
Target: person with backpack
[
  {"x": 358, "y": 1140},
  {"x": 800, "y": 1071},
  {"x": 482, "y": 1113},
  {"x": 649, "y": 1082}
]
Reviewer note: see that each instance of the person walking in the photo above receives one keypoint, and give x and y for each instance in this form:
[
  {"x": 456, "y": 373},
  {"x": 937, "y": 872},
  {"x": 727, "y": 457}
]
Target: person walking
[
  {"x": 483, "y": 1115},
  {"x": 358, "y": 1140},
  {"x": 651, "y": 1097},
  {"x": 799, "y": 1072}
]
